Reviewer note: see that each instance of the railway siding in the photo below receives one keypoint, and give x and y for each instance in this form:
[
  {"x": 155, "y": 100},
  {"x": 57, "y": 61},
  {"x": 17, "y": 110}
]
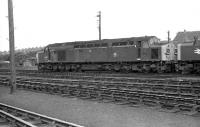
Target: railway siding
[
  {"x": 174, "y": 96},
  {"x": 11, "y": 120},
  {"x": 13, "y": 116}
]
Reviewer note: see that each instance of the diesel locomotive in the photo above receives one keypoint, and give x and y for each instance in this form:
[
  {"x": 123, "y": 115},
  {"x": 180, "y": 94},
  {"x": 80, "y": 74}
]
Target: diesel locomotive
[
  {"x": 188, "y": 57},
  {"x": 134, "y": 54}
]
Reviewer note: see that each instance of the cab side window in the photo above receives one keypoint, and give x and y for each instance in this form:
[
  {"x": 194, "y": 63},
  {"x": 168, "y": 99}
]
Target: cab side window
[{"x": 154, "y": 53}]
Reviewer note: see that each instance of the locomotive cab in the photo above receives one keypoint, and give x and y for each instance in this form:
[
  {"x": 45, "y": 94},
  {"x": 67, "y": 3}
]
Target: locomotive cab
[{"x": 188, "y": 57}]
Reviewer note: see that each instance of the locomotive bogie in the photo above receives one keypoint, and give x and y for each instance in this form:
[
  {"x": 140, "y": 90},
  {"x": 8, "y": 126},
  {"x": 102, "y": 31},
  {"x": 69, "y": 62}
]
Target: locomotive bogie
[
  {"x": 197, "y": 68},
  {"x": 184, "y": 67}
]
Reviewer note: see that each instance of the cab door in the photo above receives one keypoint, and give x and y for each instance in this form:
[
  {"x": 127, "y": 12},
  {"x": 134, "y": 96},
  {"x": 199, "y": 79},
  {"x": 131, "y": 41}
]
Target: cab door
[
  {"x": 47, "y": 54},
  {"x": 139, "y": 46}
]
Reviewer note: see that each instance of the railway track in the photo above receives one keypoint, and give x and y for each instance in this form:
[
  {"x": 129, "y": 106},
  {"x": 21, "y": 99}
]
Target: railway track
[
  {"x": 65, "y": 75},
  {"x": 15, "y": 117},
  {"x": 173, "y": 95}
]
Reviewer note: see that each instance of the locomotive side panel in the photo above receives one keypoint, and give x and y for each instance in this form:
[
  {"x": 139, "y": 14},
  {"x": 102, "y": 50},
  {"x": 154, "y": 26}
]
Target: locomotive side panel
[
  {"x": 61, "y": 55},
  {"x": 92, "y": 55},
  {"x": 99, "y": 54},
  {"x": 70, "y": 55},
  {"x": 154, "y": 53},
  {"x": 189, "y": 52},
  {"x": 188, "y": 58},
  {"x": 123, "y": 54},
  {"x": 53, "y": 56},
  {"x": 150, "y": 54},
  {"x": 82, "y": 55},
  {"x": 145, "y": 54}
]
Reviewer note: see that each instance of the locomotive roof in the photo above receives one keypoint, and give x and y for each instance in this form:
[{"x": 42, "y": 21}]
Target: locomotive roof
[
  {"x": 197, "y": 43},
  {"x": 143, "y": 38},
  {"x": 186, "y": 36},
  {"x": 162, "y": 43}
]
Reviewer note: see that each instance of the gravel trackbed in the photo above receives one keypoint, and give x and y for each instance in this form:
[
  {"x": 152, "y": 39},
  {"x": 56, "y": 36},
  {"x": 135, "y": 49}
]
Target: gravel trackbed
[{"x": 95, "y": 114}]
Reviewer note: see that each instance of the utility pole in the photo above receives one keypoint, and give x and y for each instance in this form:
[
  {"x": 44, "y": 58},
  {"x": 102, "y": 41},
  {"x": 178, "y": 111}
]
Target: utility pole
[
  {"x": 168, "y": 35},
  {"x": 99, "y": 16},
  {"x": 12, "y": 47}
]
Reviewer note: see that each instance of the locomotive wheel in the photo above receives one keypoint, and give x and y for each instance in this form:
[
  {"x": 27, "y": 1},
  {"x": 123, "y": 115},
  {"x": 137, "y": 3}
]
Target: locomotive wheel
[
  {"x": 73, "y": 68},
  {"x": 146, "y": 69},
  {"x": 50, "y": 67},
  {"x": 126, "y": 68},
  {"x": 160, "y": 71},
  {"x": 61, "y": 67},
  {"x": 154, "y": 68},
  {"x": 40, "y": 68},
  {"x": 107, "y": 67},
  {"x": 79, "y": 69},
  {"x": 116, "y": 68},
  {"x": 55, "y": 68},
  {"x": 67, "y": 68}
]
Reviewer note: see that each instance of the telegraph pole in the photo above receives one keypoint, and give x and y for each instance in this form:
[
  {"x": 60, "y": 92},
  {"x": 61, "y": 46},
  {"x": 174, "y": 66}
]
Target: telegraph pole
[
  {"x": 168, "y": 35},
  {"x": 99, "y": 16},
  {"x": 12, "y": 47}
]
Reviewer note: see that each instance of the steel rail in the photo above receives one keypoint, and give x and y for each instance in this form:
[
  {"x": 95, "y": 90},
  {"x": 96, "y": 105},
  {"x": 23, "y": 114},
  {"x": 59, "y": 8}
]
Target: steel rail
[
  {"x": 43, "y": 118},
  {"x": 14, "y": 121},
  {"x": 104, "y": 74}
]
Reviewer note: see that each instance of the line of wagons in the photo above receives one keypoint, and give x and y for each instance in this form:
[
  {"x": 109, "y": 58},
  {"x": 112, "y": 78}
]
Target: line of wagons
[
  {"x": 135, "y": 54},
  {"x": 4, "y": 64}
]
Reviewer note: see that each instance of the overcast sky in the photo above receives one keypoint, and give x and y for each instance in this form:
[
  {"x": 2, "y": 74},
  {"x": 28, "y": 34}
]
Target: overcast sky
[{"x": 41, "y": 22}]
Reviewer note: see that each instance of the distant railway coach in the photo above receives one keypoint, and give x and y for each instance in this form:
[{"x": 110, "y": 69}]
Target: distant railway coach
[{"x": 4, "y": 64}]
